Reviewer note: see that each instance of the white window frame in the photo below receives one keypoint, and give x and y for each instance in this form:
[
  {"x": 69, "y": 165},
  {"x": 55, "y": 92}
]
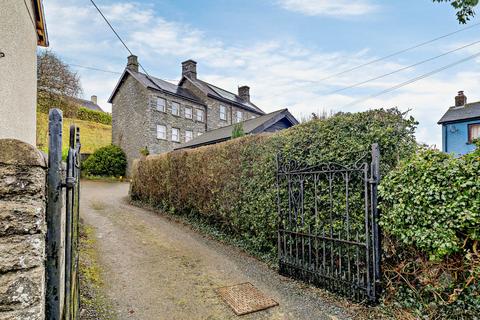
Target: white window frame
[
  {"x": 161, "y": 108},
  {"x": 223, "y": 112},
  {"x": 161, "y": 134},
  {"x": 178, "y": 109},
  {"x": 188, "y": 135},
  {"x": 238, "y": 116},
  {"x": 177, "y": 135},
  {"x": 200, "y": 115},
  {"x": 190, "y": 115}
]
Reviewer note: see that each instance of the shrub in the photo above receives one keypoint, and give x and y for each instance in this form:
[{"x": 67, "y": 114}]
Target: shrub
[
  {"x": 441, "y": 209},
  {"x": 94, "y": 116},
  {"x": 233, "y": 183},
  {"x": 108, "y": 161},
  {"x": 431, "y": 217}
]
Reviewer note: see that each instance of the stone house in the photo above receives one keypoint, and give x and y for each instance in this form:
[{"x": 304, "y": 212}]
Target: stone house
[
  {"x": 22, "y": 29},
  {"x": 156, "y": 114}
]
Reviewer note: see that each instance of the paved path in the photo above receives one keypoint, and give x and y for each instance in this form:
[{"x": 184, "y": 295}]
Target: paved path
[{"x": 158, "y": 269}]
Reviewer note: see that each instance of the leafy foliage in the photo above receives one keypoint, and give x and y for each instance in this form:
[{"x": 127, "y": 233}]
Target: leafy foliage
[
  {"x": 94, "y": 116},
  {"x": 440, "y": 211},
  {"x": 431, "y": 215},
  {"x": 108, "y": 161},
  {"x": 237, "y": 131},
  {"x": 465, "y": 8},
  {"x": 233, "y": 183}
]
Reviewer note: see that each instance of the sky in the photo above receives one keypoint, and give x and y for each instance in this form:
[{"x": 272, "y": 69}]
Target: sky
[{"x": 285, "y": 50}]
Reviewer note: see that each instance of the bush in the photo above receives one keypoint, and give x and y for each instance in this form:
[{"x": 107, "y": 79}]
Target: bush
[
  {"x": 233, "y": 183},
  {"x": 94, "y": 116},
  {"x": 108, "y": 161},
  {"x": 431, "y": 216}
]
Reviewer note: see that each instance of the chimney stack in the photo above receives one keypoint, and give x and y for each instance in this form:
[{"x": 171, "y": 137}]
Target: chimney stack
[
  {"x": 94, "y": 99},
  {"x": 460, "y": 99},
  {"x": 244, "y": 93},
  {"x": 132, "y": 63},
  {"x": 189, "y": 69}
]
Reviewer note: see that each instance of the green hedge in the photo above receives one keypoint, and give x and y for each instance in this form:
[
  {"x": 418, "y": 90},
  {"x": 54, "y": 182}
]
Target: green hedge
[
  {"x": 431, "y": 212},
  {"x": 94, "y": 116},
  {"x": 108, "y": 161},
  {"x": 232, "y": 184}
]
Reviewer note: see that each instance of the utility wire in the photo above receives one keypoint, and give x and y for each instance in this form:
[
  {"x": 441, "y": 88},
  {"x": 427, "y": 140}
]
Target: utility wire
[
  {"x": 404, "y": 68},
  {"x": 93, "y": 68},
  {"x": 124, "y": 44},
  {"x": 403, "y": 84},
  {"x": 108, "y": 71},
  {"x": 398, "y": 52}
]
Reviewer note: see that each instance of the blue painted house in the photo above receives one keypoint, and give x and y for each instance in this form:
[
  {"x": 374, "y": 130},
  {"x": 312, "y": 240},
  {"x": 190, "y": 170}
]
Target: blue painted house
[{"x": 460, "y": 125}]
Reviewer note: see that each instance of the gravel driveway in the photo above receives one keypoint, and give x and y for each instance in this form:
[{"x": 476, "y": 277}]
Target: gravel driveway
[{"x": 155, "y": 268}]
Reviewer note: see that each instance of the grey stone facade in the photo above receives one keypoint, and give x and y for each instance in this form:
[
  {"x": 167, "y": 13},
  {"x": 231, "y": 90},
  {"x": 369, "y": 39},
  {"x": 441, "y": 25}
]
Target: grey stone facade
[
  {"x": 22, "y": 231},
  {"x": 137, "y": 121}
]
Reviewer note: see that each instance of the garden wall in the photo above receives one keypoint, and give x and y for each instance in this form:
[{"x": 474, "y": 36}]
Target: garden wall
[{"x": 22, "y": 231}]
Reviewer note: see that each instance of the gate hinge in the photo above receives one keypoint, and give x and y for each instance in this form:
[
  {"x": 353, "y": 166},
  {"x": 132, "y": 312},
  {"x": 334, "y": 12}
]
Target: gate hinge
[{"x": 69, "y": 182}]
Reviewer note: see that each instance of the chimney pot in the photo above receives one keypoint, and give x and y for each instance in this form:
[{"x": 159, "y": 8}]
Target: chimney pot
[
  {"x": 132, "y": 63},
  {"x": 189, "y": 69},
  {"x": 460, "y": 99},
  {"x": 244, "y": 93},
  {"x": 94, "y": 99}
]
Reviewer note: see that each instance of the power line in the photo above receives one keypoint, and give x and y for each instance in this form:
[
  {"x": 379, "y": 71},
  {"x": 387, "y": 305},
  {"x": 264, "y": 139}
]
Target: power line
[
  {"x": 404, "y": 68},
  {"x": 124, "y": 44},
  {"x": 399, "y": 52},
  {"x": 403, "y": 84},
  {"x": 93, "y": 68}
]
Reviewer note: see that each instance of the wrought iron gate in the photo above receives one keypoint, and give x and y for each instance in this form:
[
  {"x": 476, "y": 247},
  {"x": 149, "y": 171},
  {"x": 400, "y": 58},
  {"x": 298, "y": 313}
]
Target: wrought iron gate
[
  {"x": 62, "y": 298},
  {"x": 328, "y": 231}
]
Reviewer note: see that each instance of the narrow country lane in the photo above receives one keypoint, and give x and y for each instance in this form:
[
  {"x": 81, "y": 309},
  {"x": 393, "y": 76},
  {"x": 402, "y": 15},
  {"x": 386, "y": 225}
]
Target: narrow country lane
[{"x": 155, "y": 268}]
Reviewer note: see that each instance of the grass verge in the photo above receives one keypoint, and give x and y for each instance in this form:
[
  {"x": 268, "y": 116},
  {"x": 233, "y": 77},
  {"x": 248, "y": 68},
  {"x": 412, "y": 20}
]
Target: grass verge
[
  {"x": 93, "y": 302},
  {"x": 93, "y": 135}
]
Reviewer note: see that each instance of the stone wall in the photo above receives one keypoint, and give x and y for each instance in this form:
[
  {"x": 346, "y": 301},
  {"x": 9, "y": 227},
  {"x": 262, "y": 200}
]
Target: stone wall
[
  {"x": 129, "y": 119},
  {"x": 156, "y": 146},
  {"x": 22, "y": 230}
]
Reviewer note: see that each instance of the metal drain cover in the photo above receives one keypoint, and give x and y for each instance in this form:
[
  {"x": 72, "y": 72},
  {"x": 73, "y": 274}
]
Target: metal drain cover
[{"x": 245, "y": 298}]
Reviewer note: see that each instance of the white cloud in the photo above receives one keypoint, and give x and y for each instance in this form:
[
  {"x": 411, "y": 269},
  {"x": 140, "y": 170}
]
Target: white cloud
[
  {"x": 336, "y": 8},
  {"x": 280, "y": 74}
]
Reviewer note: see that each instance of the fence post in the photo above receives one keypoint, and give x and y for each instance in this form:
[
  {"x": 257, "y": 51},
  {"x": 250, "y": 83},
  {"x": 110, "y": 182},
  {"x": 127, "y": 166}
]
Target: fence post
[
  {"x": 54, "y": 218},
  {"x": 376, "y": 217}
]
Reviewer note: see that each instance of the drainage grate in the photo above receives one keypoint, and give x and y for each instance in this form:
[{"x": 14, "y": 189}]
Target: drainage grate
[{"x": 245, "y": 298}]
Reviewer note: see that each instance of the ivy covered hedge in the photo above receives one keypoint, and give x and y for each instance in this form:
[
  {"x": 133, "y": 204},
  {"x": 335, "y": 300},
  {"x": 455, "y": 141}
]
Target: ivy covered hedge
[
  {"x": 431, "y": 215},
  {"x": 232, "y": 184}
]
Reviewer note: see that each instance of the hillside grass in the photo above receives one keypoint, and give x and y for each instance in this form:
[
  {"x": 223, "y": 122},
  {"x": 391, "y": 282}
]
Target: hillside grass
[{"x": 93, "y": 135}]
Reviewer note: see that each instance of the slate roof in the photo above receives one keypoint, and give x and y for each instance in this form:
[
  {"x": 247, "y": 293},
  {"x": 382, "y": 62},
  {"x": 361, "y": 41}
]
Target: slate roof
[
  {"x": 227, "y": 96},
  {"x": 87, "y": 104},
  {"x": 157, "y": 84},
  {"x": 251, "y": 126},
  {"x": 469, "y": 111}
]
